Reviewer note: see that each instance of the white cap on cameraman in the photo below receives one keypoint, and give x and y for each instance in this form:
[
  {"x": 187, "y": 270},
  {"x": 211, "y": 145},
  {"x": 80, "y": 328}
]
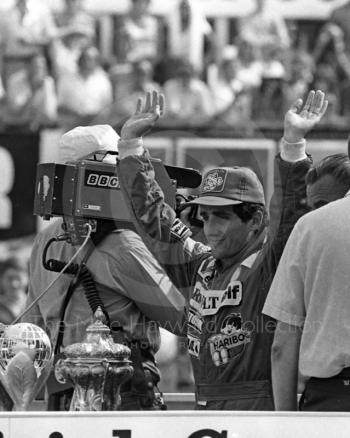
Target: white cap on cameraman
[{"x": 84, "y": 140}]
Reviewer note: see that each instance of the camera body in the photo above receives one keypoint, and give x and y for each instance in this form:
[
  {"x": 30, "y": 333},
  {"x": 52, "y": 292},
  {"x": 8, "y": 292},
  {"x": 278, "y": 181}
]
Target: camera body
[{"x": 86, "y": 191}]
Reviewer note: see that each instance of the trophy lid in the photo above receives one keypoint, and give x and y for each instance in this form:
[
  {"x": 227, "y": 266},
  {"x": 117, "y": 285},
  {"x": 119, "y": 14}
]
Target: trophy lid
[
  {"x": 98, "y": 327},
  {"x": 98, "y": 343}
]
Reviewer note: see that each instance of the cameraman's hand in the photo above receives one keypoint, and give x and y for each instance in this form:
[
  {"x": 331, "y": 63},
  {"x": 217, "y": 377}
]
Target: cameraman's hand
[
  {"x": 300, "y": 120},
  {"x": 144, "y": 118}
]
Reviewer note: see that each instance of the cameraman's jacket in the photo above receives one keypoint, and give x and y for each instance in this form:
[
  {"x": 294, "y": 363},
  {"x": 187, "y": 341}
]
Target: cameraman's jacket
[
  {"x": 229, "y": 339},
  {"x": 133, "y": 287}
]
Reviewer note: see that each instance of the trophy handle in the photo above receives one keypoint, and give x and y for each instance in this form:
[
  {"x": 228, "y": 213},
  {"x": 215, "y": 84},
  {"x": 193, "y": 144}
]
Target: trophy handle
[{"x": 61, "y": 371}]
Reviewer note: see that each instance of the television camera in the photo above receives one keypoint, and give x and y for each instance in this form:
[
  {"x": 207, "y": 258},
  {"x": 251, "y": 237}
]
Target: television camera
[{"x": 88, "y": 191}]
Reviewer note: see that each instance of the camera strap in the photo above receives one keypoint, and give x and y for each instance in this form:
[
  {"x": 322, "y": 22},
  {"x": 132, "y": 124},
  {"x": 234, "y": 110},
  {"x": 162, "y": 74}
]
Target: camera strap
[
  {"x": 52, "y": 385},
  {"x": 103, "y": 230},
  {"x": 71, "y": 288}
]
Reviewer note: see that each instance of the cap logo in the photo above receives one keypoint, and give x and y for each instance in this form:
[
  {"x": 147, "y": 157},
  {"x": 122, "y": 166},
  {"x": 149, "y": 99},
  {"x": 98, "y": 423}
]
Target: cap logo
[{"x": 214, "y": 181}]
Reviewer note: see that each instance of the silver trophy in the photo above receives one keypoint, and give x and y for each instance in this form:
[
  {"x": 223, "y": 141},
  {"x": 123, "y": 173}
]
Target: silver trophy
[
  {"x": 25, "y": 363},
  {"x": 97, "y": 367}
]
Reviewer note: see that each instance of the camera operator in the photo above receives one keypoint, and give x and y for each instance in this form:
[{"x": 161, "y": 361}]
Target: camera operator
[
  {"x": 231, "y": 362},
  {"x": 134, "y": 289}
]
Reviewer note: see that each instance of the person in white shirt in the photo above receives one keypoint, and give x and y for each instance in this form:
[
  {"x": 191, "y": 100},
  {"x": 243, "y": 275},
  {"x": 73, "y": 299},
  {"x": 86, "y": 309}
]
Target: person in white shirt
[
  {"x": 264, "y": 26},
  {"x": 189, "y": 99},
  {"x": 141, "y": 32},
  {"x": 83, "y": 95},
  {"x": 309, "y": 297},
  {"x": 26, "y": 27},
  {"x": 31, "y": 98},
  {"x": 188, "y": 31}
]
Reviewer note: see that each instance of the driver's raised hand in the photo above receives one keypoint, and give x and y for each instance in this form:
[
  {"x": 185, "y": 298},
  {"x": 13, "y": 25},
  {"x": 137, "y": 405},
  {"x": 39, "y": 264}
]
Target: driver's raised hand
[
  {"x": 299, "y": 119},
  {"x": 145, "y": 116}
]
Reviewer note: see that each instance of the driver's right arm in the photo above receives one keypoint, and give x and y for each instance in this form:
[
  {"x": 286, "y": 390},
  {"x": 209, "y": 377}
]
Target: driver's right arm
[{"x": 155, "y": 221}]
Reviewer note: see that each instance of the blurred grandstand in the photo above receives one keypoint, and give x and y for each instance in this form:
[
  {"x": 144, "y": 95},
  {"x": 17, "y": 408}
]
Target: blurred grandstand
[{"x": 206, "y": 33}]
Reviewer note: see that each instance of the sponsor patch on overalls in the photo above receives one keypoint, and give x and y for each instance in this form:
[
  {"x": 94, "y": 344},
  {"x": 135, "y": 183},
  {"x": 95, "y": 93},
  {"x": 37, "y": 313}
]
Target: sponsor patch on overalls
[
  {"x": 193, "y": 345},
  {"x": 179, "y": 231},
  {"x": 215, "y": 299},
  {"x": 206, "y": 270},
  {"x": 231, "y": 341},
  {"x": 195, "y": 321}
]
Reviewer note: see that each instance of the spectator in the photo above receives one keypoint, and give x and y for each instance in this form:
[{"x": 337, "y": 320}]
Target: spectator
[
  {"x": 300, "y": 71},
  {"x": 327, "y": 78},
  {"x": 232, "y": 102},
  {"x": 26, "y": 28},
  {"x": 271, "y": 92},
  {"x": 331, "y": 50},
  {"x": 128, "y": 91},
  {"x": 74, "y": 17},
  {"x": 139, "y": 33},
  {"x": 329, "y": 44},
  {"x": 31, "y": 97},
  {"x": 223, "y": 82},
  {"x": 83, "y": 95},
  {"x": 189, "y": 30},
  {"x": 13, "y": 289},
  {"x": 262, "y": 75},
  {"x": 250, "y": 68},
  {"x": 76, "y": 31},
  {"x": 341, "y": 18},
  {"x": 249, "y": 71},
  {"x": 143, "y": 78},
  {"x": 189, "y": 99},
  {"x": 328, "y": 180},
  {"x": 66, "y": 50},
  {"x": 264, "y": 26},
  {"x": 272, "y": 65}
]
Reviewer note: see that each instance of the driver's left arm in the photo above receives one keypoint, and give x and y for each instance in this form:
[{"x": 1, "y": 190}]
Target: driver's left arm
[{"x": 288, "y": 202}]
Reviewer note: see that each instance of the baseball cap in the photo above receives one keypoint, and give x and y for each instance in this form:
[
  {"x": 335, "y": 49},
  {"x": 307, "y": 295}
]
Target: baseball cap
[
  {"x": 230, "y": 186},
  {"x": 83, "y": 140}
]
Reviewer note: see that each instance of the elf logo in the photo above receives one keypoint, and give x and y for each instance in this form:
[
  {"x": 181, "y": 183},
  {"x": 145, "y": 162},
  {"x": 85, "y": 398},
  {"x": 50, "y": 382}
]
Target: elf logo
[{"x": 104, "y": 180}]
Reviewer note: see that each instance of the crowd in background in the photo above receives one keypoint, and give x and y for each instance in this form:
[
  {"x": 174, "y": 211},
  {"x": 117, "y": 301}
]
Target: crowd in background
[{"x": 53, "y": 74}]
